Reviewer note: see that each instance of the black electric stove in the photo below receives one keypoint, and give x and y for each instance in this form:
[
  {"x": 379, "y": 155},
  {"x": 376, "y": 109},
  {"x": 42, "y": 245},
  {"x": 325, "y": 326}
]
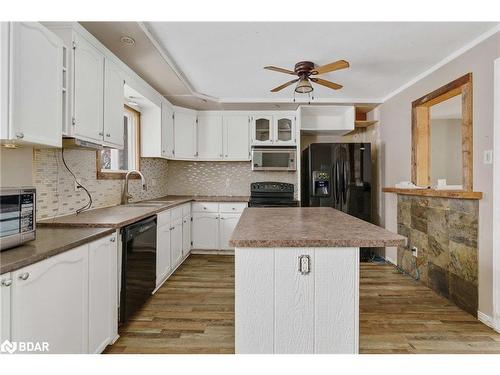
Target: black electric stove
[{"x": 272, "y": 194}]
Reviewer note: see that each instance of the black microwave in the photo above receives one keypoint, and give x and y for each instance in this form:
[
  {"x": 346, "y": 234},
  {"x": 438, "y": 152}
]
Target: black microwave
[{"x": 17, "y": 216}]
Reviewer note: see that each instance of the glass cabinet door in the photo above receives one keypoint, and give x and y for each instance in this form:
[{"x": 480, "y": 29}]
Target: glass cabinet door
[
  {"x": 262, "y": 130},
  {"x": 284, "y": 130}
]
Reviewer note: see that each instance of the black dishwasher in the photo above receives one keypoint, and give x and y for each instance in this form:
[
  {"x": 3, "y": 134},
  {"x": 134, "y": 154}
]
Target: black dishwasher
[{"x": 138, "y": 266}]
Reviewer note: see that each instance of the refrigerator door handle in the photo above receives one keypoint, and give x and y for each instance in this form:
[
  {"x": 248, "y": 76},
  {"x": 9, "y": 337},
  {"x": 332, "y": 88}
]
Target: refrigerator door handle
[
  {"x": 345, "y": 182},
  {"x": 337, "y": 182}
]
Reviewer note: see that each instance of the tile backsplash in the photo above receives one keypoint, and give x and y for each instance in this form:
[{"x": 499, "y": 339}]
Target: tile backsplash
[
  {"x": 56, "y": 193},
  {"x": 218, "y": 178},
  {"x": 55, "y": 186}
]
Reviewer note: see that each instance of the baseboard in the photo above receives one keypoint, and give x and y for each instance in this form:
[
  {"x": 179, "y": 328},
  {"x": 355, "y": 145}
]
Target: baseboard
[
  {"x": 489, "y": 321},
  {"x": 212, "y": 252}
]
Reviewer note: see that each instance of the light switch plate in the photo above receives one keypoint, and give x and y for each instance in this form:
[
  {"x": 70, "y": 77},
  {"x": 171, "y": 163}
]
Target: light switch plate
[{"x": 488, "y": 157}]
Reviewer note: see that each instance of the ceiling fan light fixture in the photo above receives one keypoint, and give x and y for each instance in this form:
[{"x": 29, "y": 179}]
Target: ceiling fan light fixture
[{"x": 304, "y": 86}]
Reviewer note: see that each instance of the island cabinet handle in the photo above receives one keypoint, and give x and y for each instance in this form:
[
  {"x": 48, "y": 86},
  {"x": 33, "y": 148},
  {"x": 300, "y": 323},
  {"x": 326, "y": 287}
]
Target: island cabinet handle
[{"x": 304, "y": 264}]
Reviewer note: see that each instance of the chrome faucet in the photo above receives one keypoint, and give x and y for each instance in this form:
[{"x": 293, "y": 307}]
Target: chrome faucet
[{"x": 126, "y": 195}]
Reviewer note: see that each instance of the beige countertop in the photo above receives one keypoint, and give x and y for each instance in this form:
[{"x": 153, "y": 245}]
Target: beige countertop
[
  {"x": 48, "y": 242},
  {"x": 120, "y": 216},
  {"x": 308, "y": 227}
]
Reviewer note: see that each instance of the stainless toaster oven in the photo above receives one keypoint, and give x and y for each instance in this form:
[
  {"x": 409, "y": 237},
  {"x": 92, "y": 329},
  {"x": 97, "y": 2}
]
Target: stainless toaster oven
[{"x": 17, "y": 216}]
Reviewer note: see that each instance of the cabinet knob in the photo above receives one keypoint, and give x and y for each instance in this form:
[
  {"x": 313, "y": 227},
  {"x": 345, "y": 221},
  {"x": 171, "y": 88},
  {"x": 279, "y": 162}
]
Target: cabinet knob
[
  {"x": 101, "y": 133},
  {"x": 24, "y": 276},
  {"x": 226, "y": 155},
  {"x": 7, "y": 282},
  {"x": 304, "y": 264},
  {"x": 108, "y": 135},
  {"x": 20, "y": 135},
  {"x": 112, "y": 239}
]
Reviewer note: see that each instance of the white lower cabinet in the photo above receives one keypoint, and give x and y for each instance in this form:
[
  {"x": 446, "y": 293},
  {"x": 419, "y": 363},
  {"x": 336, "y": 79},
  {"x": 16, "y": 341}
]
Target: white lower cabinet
[
  {"x": 50, "y": 302},
  {"x": 69, "y": 300},
  {"x": 227, "y": 224},
  {"x": 205, "y": 230},
  {"x": 5, "y": 287},
  {"x": 176, "y": 242},
  {"x": 103, "y": 296},
  {"x": 163, "y": 249},
  {"x": 214, "y": 223},
  {"x": 186, "y": 235}
]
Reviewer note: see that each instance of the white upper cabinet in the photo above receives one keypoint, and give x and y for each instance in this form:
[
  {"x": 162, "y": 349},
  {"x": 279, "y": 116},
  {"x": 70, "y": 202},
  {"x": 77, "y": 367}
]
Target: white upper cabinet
[
  {"x": 88, "y": 90},
  {"x": 32, "y": 84},
  {"x": 284, "y": 130},
  {"x": 167, "y": 130},
  {"x": 236, "y": 137},
  {"x": 185, "y": 135},
  {"x": 113, "y": 105},
  {"x": 274, "y": 129},
  {"x": 210, "y": 137},
  {"x": 262, "y": 130}
]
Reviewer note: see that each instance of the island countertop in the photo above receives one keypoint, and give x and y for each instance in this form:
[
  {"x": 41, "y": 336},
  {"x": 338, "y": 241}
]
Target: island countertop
[{"x": 308, "y": 227}]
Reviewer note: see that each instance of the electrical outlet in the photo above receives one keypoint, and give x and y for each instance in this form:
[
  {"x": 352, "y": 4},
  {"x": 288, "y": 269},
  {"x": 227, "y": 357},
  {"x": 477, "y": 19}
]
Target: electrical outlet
[{"x": 414, "y": 251}]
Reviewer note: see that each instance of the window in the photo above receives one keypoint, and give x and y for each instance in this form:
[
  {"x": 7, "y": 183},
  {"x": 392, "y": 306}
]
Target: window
[{"x": 113, "y": 163}]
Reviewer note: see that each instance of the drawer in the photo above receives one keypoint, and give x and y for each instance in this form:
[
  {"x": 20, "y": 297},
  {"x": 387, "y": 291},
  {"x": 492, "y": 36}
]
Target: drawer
[
  {"x": 186, "y": 210},
  {"x": 176, "y": 213},
  {"x": 163, "y": 218},
  {"x": 205, "y": 207},
  {"x": 232, "y": 207}
]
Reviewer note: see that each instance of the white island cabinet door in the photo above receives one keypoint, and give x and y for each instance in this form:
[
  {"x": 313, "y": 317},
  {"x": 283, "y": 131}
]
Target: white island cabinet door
[
  {"x": 113, "y": 105},
  {"x": 236, "y": 138},
  {"x": 36, "y": 67},
  {"x": 210, "y": 137},
  {"x": 205, "y": 231},
  {"x": 103, "y": 293},
  {"x": 50, "y": 302},
  {"x": 88, "y": 90},
  {"x": 5, "y": 287}
]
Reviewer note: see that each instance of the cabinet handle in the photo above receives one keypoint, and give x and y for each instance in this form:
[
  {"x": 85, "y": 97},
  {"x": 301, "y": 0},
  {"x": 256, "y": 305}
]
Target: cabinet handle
[
  {"x": 226, "y": 155},
  {"x": 20, "y": 135},
  {"x": 304, "y": 264},
  {"x": 112, "y": 239},
  {"x": 24, "y": 276},
  {"x": 7, "y": 282}
]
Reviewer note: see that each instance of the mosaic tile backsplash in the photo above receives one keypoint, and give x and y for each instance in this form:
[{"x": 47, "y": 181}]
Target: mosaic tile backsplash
[
  {"x": 218, "y": 178},
  {"x": 55, "y": 186},
  {"x": 445, "y": 231}
]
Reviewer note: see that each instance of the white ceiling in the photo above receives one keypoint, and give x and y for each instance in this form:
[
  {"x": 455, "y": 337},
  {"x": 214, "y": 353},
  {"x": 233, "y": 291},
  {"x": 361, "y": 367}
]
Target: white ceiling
[{"x": 225, "y": 60}]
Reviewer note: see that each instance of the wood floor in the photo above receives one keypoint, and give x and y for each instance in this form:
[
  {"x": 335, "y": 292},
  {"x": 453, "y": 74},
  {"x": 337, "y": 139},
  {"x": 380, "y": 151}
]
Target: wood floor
[{"x": 193, "y": 312}]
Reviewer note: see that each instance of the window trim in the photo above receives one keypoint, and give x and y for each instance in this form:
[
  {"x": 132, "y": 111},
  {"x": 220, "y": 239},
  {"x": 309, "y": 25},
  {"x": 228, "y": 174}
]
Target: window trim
[{"x": 121, "y": 175}]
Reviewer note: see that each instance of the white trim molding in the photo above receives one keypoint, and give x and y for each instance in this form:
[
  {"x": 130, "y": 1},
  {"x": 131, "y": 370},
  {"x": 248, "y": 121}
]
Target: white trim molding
[
  {"x": 496, "y": 196},
  {"x": 445, "y": 61},
  {"x": 488, "y": 321}
]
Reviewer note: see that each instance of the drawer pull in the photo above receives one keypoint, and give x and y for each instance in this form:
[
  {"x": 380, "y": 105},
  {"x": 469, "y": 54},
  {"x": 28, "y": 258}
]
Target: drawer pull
[
  {"x": 7, "y": 282},
  {"x": 304, "y": 264},
  {"x": 24, "y": 276}
]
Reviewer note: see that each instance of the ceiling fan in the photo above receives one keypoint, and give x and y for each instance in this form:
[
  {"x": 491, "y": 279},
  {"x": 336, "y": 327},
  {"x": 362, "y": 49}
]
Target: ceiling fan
[{"x": 306, "y": 72}]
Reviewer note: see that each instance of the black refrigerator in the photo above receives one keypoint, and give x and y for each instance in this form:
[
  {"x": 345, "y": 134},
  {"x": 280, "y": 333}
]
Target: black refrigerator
[{"x": 338, "y": 175}]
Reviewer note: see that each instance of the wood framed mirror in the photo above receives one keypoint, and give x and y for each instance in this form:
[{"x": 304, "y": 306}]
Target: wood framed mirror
[{"x": 442, "y": 136}]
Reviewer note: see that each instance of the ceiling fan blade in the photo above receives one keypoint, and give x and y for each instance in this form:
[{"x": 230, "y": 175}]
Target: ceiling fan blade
[
  {"x": 281, "y": 70},
  {"x": 276, "y": 89},
  {"x": 337, "y": 65},
  {"x": 326, "y": 83}
]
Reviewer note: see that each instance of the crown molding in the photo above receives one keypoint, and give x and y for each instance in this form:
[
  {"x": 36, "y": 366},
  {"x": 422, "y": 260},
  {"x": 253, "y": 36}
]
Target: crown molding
[{"x": 445, "y": 61}]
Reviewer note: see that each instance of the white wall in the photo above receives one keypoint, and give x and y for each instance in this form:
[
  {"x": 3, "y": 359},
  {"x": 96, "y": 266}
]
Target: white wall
[{"x": 395, "y": 133}]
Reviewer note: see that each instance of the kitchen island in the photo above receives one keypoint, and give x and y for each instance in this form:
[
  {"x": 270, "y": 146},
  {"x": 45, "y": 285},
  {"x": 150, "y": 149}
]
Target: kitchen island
[{"x": 297, "y": 279}]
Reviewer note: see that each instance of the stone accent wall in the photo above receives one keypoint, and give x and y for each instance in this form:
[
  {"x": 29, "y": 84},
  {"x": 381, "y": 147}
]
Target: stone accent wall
[
  {"x": 56, "y": 195},
  {"x": 219, "y": 178},
  {"x": 445, "y": 231}
]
